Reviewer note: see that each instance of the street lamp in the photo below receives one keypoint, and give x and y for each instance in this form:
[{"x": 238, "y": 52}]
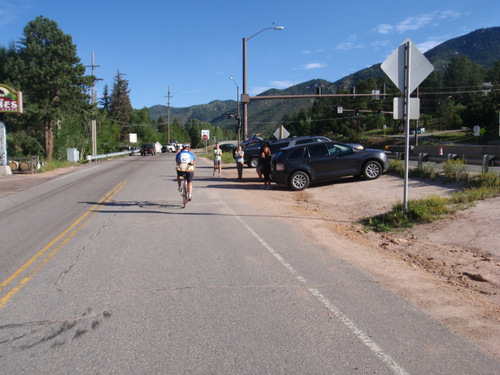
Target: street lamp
[
  {"x": 244, "y": 96},
  {"x": 238, "y": 118}
]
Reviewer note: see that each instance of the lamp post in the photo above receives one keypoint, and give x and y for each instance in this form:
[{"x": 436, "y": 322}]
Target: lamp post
[
  {"x": 238, "y": 118},
  {"x": 244, "y": 96}
]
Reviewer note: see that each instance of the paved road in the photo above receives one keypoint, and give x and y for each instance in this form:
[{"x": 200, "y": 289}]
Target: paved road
[{"x": 103, "y": 272}]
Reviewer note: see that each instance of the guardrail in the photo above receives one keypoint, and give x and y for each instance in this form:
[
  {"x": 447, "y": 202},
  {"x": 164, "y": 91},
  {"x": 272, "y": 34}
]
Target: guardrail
[{"x": 90, "y": 158}]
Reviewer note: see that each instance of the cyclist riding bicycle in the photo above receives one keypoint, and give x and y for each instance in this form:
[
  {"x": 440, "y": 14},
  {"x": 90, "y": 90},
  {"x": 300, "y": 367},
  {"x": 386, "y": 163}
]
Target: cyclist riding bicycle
[{"x": 185, "y": 167}]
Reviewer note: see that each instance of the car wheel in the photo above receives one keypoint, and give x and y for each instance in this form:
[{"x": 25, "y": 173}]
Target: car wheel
[
  {"x": 372, "y": 170},
  {"x": 298, "y": 180},
  {"x": 253, "y": 162}
]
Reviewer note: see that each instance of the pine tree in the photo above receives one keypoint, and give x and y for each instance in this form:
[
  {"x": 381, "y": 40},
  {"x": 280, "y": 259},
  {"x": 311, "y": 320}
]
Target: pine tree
[
  {"x": 120, "y": 107},
  {"x": 105, "y": 99},
  {"x": 49, "y": 73}
]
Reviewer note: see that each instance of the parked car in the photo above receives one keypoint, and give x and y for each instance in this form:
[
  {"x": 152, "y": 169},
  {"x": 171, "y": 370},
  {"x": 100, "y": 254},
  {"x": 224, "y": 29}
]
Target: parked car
[
  {"x": 169, "y": 147},
  {"x": 253, "y": 139},
  {"x": 296, "y": 167},
  {"x": 148, "y": 148},
  {"x": 225, "y": 147},
  {"x": 252, "y": 151}
]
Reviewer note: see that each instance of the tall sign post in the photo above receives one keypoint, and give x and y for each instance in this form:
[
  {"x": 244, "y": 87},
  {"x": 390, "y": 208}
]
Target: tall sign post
[
  {"x": 11, "y": 101},
  {"x": 407, "y": 67}
]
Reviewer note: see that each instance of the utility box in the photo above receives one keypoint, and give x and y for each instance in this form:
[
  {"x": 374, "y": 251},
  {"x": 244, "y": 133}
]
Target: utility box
[{"x": 73, "y": 155}]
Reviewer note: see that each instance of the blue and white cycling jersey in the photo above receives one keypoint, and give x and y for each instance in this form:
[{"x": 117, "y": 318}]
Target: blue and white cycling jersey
[{"x": 185, "y": 160}]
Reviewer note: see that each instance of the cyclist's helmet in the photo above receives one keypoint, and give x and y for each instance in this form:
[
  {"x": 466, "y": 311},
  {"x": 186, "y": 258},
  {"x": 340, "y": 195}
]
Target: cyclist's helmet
[{"x": 186, "y": 146}]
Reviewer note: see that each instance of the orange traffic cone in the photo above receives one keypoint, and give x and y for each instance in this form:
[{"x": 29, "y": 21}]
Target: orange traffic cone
[{"x": 440, "y": 151}]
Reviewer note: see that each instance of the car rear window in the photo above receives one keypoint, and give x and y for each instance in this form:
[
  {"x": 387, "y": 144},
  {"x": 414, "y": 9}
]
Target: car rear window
[
  {"x": 278, "y": 146},
  {"x": 296, "y": 154},
  {"x": 318, "y": 150}
]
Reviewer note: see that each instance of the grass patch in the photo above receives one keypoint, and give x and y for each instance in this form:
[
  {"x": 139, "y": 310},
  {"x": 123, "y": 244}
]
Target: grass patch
[
  {"x": 426, "y": 210},
  {"x": 227, "y": 157},
  {"x": 55, "y": 164}
]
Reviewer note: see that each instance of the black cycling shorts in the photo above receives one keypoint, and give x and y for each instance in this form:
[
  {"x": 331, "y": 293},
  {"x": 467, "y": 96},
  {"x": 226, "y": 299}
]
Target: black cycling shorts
[{"x": 189, "y": 175}]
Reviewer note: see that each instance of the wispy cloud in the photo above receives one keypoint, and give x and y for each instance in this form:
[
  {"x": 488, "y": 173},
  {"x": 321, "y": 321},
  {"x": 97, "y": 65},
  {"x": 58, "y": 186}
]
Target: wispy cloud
[
  {"x": 425, "y": 46},
  {"x": 349, "y": 44},
  {"x": 418, "y": 22},
  {"x": 312, "y": 66}
]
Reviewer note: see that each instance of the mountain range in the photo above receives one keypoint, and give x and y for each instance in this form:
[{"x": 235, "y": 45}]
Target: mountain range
[{"x": 481, "y": 46}]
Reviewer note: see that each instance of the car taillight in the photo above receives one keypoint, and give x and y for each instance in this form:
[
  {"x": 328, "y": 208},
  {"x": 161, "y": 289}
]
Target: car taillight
[{"x": 280, "y": 167}]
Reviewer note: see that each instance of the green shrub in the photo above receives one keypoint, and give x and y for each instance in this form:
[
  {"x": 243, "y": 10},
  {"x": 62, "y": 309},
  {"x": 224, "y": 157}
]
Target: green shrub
[
  {"x": 455, "y": 170},
  {"x": 419, "y": 211}
]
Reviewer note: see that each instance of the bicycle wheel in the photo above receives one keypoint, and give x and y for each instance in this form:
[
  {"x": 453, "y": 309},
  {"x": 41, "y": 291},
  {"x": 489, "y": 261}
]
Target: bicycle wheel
[{"x": 184, "y": 192}]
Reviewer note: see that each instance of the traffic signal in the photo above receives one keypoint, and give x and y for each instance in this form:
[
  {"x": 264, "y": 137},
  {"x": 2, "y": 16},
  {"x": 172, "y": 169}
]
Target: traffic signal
[
  {"x": 379, "y": 112},
  {"x": 356, "y": 112}
]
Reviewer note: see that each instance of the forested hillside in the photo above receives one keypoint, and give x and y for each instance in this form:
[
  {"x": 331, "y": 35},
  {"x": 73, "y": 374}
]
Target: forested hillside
[{"x": 481, "y": 47}]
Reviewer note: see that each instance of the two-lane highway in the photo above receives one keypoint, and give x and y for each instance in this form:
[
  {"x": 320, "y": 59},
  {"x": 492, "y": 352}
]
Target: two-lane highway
[{"x": 104, "y": 272}]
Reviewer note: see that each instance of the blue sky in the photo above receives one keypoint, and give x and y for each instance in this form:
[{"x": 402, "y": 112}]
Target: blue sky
[{"x": 194, "y": 46}]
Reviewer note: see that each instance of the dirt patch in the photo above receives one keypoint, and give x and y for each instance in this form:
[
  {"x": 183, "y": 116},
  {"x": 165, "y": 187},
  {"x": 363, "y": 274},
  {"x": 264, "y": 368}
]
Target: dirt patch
[{"x": 449, "y": 268}]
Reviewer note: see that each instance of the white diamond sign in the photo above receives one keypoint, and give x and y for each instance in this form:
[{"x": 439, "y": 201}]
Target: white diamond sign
[{"x": 395, "y": 66}]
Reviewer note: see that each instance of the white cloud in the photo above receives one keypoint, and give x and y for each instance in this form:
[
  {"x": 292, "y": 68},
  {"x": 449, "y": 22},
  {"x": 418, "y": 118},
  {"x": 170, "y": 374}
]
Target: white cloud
[
  {"x": 384, "y": 28},
  {"x": 418, "y": 22},
  {"x": 350, "y": 43},
  {"x": 306, "y": 52},
  {"x": 425, "y": 46},
  {"x": 379, "y": 44},
  {"x": 312, "y": 66}
]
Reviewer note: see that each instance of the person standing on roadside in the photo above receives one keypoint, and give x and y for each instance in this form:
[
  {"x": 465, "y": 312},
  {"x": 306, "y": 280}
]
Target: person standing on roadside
[
  {"x": 217, "y": 159},
  {"x": 266, "y": 167},
  {"x": 239, "y": 156}
]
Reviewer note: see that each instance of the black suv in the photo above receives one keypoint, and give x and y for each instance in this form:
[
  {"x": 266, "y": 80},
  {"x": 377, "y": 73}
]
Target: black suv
[
  {"x": 296, "y": 167},
  {"x": 252, "y": 151}
]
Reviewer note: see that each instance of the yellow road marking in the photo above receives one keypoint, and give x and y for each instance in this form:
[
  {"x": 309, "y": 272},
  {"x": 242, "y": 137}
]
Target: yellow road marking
[{"x": 90, "y": 212}]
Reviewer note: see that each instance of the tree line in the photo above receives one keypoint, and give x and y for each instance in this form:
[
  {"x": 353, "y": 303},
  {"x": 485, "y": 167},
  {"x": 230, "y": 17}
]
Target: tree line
[
  {"x": 58, "y": 107},
  {"x": 461, "y": 95}
]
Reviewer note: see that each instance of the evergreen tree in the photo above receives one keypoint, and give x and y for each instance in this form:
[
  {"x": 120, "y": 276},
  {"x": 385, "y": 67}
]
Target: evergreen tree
[
  {"x": 105, "y": 99},
  {"x": 120, "y": 107},
  {"x": 47, "y": 70}
]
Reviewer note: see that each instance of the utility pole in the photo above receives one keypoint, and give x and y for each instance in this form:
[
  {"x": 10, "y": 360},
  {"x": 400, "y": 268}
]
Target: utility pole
[
  {"x": 94, "y": 131},
  {"x": 168, "y": 115}
]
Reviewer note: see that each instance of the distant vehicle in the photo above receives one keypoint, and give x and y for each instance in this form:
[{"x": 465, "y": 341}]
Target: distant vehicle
[
  {"x": 225, "y": 147},
  {"x": 169, "y": 147},
  {"x": 296, "y": 167},
  {"x": 148, "y": 148},
  {"x": 420, "y": 131},
  {"x": 253, "y": 139}
]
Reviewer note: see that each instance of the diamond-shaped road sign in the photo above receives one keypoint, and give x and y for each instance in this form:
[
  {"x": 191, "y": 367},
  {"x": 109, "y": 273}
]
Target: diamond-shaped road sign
[{"x": 395, "y": 65}]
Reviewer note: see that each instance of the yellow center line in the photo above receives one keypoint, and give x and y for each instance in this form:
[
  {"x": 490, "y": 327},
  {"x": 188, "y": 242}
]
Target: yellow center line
[{"x": 90, "y": 212}]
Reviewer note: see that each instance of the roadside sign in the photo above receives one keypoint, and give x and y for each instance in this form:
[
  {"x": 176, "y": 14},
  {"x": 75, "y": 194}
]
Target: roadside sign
[
  {"x": 407, "y": 67},
  {"x": 281, "y": 133},
  {"x": 340, "y": 110},
  {"x": 477, "y": 130},
  {"x": 11, "y": 101},
  {"x": 395, "y": 65},
  {"x": 399, "y": 105},
  {"x": 205, "y": 134}
]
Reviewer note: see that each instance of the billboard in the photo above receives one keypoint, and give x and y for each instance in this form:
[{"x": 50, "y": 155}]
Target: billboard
[{"x": 11, "y": 101}]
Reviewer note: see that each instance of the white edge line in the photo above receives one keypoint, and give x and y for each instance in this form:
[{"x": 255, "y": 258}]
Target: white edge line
[{"x": 373, "y": 346}]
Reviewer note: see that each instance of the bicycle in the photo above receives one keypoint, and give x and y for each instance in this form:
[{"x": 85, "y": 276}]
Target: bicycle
[{"x": 185, "y": 197}]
